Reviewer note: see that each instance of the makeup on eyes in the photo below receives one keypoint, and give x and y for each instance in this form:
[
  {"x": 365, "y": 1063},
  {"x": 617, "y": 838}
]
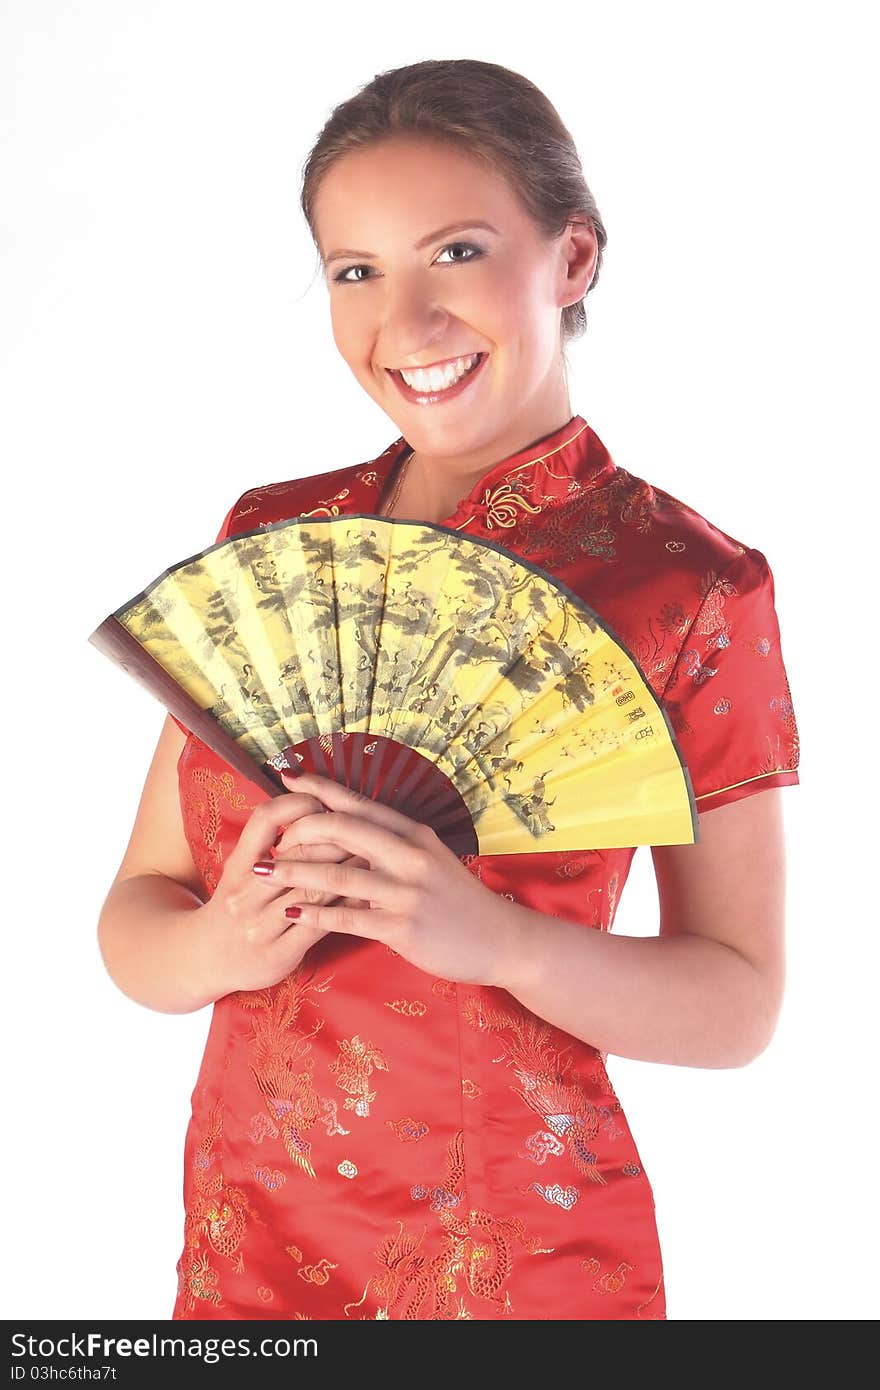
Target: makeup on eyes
[{"x": 478, "y": 251}]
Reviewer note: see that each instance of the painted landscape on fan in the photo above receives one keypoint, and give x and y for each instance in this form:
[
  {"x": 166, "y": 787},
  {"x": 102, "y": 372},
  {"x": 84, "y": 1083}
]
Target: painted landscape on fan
[{"x": 408, "y": 637}]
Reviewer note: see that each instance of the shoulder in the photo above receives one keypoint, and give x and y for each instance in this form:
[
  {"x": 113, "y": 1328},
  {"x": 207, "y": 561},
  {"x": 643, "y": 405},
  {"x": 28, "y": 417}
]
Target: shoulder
[
  {"x": 324, "y": 494},
  {"x": 662, "y": 530}
]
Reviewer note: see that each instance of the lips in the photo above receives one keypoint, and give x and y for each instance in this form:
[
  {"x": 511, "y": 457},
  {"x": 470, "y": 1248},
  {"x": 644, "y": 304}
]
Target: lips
[{"x": 438, "y": 397}]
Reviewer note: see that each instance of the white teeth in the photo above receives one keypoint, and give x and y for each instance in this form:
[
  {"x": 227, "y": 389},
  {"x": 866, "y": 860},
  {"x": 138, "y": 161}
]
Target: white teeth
[{"x": 439, "y": 378}]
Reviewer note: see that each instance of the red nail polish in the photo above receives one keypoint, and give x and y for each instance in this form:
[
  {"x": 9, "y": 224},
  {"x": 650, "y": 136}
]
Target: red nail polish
[
  {"x": 292, "y": 911},
  {"x": 264, "y": 866}
]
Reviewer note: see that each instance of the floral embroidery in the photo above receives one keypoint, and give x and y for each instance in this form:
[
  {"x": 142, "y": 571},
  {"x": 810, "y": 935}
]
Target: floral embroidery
[
  {"x": 501, "y": 504},
  {"x": 353, "y": 1069}
]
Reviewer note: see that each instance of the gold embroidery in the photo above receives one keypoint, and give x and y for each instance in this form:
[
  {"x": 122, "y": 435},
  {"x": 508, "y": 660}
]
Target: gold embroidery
[
  {"x": 639, "y": 1310},
  {"x": 218, "y": 1214},
  {"x": 282, "y": 1062},
  {"x": 202, "y": 796},
  {"x": 639, "y": 503},
  {"x": 197, "y": 1279},
  {"x": 476, "y": 1250},
  {"x": 613, "y": 886},
  {"x": 611, "y": 1282},
  {"x": 614, "y": 1281},
  {"x": 353, "y": 1069},
  {"x": 541, "y": 1069},
  {"x": 322, "y": 511},
  {"x": 501, "y": 504},
  {"x": 328, "y": 508},
  {"x": 317, "y": 1274},
  {"x": 412, "y": 1008},
  {"x": 573, "y": 862}
]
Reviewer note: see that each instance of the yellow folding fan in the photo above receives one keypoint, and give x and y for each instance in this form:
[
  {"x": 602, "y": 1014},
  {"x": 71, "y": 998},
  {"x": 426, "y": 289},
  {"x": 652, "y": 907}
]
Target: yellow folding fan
[{"x": 429, "y": 669}]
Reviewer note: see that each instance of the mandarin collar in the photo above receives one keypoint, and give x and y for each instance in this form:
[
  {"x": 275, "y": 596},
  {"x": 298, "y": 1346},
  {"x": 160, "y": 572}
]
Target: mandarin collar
[{"x": 542, "y": 475}]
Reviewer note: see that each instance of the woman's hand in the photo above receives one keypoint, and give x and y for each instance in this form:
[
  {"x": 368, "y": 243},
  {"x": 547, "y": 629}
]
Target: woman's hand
[
  {"x": 253, "y": 944},
  {"x": 422, "y": 901}
]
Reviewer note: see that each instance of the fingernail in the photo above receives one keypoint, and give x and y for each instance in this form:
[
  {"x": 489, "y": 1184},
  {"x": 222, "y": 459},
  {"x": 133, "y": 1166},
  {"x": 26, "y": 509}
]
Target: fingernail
[
  {"x": 292, "y": 911},
  {"x": 264, "y": 866},
  {"x": 290, "y": 772}
]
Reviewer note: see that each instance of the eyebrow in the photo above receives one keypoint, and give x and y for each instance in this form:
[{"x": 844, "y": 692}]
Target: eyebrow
[{"x": 422, "y": 241}]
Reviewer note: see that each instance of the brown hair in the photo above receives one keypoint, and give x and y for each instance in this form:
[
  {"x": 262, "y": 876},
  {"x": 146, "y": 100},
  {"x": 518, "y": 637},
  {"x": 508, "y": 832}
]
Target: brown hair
[{"x": 496, "y": 115}]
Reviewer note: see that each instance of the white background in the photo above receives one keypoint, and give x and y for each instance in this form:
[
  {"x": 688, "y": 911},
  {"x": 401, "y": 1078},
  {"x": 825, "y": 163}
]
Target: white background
[{"x": 166, "y": 344}]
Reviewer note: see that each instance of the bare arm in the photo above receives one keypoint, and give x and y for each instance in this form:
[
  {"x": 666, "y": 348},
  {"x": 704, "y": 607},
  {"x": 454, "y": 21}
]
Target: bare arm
[
  {"x": 150, "y": 936},
  {"x": 707, "y": 991}
]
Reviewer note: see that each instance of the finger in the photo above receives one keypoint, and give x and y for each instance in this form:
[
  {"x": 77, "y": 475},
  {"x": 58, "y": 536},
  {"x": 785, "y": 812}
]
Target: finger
[
  {"x": 272, "y": 890},
  {"x": 367, "y": 922},
  {"x": 307, "y": 853},
  {"x": 260, "y": 831},
  {"x": 339, "y": 798},
  {"x": 341, "y": 880},
  {"x": 360, "y": 836}
]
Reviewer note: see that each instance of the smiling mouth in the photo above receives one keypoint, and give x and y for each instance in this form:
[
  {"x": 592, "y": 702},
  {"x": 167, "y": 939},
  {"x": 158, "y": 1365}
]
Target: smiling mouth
[{"x": 431, "y": 395}]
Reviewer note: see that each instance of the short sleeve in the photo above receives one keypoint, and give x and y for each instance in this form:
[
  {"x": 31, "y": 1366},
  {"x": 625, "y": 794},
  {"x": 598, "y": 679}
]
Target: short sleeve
[
  {"x": 728, "y": 697},
  {"x": 222, "y": 535}
]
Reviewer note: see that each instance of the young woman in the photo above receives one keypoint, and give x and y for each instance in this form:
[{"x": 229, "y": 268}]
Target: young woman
[{"x": 403, "y": 1110}]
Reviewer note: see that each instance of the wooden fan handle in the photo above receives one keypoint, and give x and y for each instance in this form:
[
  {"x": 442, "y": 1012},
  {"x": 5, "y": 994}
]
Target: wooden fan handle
[{"x": 116, "y": 642}]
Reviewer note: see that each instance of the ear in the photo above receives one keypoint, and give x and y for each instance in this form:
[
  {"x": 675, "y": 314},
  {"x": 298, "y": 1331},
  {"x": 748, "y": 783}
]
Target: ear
[{"x": 581, "y": 252}]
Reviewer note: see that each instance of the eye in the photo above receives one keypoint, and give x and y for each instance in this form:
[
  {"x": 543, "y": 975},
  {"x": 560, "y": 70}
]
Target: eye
[
  {"x": 462, "y": 245},
  {"x": 340, "y": 277}
]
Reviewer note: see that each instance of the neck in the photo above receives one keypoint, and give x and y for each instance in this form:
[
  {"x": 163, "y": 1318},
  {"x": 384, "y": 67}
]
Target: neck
[{"x": 433, "y": 485}]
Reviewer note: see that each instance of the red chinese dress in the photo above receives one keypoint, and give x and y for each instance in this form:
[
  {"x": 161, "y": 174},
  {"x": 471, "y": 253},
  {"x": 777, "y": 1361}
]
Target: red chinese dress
[{"x": 369, "y": 1141}]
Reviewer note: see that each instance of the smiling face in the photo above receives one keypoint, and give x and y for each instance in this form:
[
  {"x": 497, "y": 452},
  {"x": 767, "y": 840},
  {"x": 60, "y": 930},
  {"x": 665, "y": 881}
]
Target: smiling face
[{"x": 408, "y": 292}]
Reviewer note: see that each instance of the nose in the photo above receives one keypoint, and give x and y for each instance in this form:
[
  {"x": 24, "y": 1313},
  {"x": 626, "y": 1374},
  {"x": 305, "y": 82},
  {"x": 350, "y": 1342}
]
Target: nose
[{"x": 412, "y": 324}]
